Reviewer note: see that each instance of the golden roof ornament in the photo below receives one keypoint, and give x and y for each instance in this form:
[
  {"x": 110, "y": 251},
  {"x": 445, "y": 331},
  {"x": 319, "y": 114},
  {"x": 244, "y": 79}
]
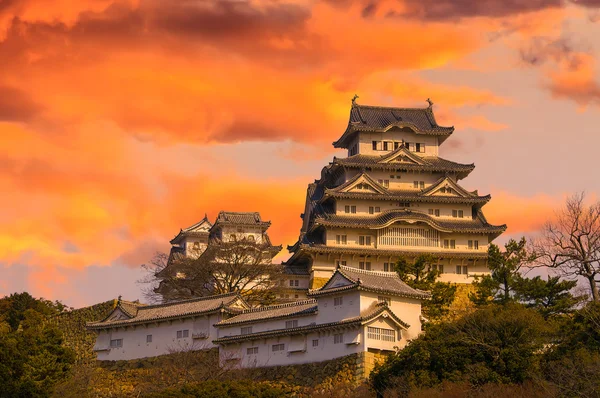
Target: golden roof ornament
[{"x": 354, "y": 99}]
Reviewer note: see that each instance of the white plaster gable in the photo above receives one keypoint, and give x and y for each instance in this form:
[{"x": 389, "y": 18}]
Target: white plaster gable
[
  {"x": 338, "y": 280},
  {"x": 451, "y": 189},
  {"x": 117, "y": 315},
  {"x": 403, "y": 156},
  {"x": 364, "y": 184}
]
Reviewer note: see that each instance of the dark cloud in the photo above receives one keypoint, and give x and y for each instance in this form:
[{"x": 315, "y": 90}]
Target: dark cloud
[
  {"x": 15, "y": 105},
  {"x": 542, "y": 49},
  {"x": 226, "y": 18},
  {"x": 587, "y": 3},
  {"x": 456, "y": 9},
  {"x": 369, "y": 9}
]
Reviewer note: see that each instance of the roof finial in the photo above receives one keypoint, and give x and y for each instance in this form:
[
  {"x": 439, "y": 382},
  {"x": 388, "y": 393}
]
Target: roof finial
[
  {"x": 430, "y": 102},
  {"x": 354, "y": 99},
  {"x": 119, "y": 300}
]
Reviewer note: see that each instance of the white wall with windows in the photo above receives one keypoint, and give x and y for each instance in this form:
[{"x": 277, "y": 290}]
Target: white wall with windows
[
  {"x": 391, "y": 139},
  {"x": 159, "y": 338},
  {"x": 362, "y": 208}
]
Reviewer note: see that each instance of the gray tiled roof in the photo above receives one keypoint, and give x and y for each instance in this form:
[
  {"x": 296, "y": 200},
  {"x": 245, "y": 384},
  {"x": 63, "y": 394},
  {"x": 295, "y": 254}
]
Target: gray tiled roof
[
  {"x": 240, "y": 218},
  {"x": 152, "y": 313},
  {"x": 430, "y": 163},
  {"x": 379, "y": 118},
  {"x": 377, "y": 281},
  {"x": 298, "y": 249},
  {"x": 295, "y": 270},
  {"x": 468, "y": 225},
  {"x": 299, "y": 308},
  {"x": 189, "y": 231},
  {"x": 129, "y": 307}
]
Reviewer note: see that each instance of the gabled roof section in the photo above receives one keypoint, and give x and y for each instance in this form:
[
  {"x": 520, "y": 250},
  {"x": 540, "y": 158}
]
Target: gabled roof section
[
  {"x": 229, "y": 302},
  {"x": 429, "y": 164},
  {"x": 347, "y": 278},
  {"x": 380, "y": 119},
  {"x": 403, "y": 156},
  {"x": 199, "y": 229},
  {"x": 298, "y": 308},
  {"x": 447, "y": 182},
  {"x": 361, "y": 178},
  {"x": 389, "y": 217},
  {"x": 240, "y": 218}
]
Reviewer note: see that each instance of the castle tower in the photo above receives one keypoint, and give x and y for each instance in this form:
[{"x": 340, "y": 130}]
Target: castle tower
[{"x": 393, "y": 196}]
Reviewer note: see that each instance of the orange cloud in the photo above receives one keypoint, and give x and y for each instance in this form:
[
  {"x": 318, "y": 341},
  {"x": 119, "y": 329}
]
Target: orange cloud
[
  {"x": 522, "y": 214},
  {"x": 576, "y": 79}
]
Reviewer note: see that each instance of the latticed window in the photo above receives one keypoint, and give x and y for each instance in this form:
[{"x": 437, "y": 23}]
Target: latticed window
[
  {"x": 246, "y": 330},
  {"x": 252, "y": 350},
  {"x": 315, "y": 343},
  {"x": 338, "y": 338},
  {"x": 116, "y": 343},
  {"x": 341, "y": 239},
  {"x": 291, "y": 324},
  {"x": 381, "y": 334},
  {"x": 278, "y": 347},
  {"x": 406, "y": 236},
  {"x": 338, "y": 300}
]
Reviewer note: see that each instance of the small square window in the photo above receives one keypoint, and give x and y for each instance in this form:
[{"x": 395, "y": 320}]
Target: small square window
[
  {"x": 346, "y": 209},
  {"x": 431, "y": 212},
  {"x": 460, "y": 214},
  {"x": 476, "y": 245},
  {"x": 291, "y": 324},
  {"x": 353, "y": 209},
  {"x": 437, "y": 212},
  {"x": 377, "y": 210},
  {"x": 246, "y": 330},
  {"x": 179, "y": 334},
  {"x": 371, "y": 210},
  {"x": 386, "y": 267},
  {"x": 252, "y": 351},
  {"x": 315, "y": 343},
  {"x": 374, "y": 145},
  {"x": 186, "y": 333},
  {"x": 338, "y": 301},
  {"x": 422, "y": 184},
  {"x": 149, "y": 338},
  {"x": 338, "y": 338}
]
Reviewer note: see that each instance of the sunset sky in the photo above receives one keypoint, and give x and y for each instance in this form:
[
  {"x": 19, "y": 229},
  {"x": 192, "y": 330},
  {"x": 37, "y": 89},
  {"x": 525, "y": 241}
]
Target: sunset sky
[{"x": 123, "y": 121}]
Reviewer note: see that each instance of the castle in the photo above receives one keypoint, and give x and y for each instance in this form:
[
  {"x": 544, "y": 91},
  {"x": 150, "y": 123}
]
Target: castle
[{"x": 392, "y": 197}]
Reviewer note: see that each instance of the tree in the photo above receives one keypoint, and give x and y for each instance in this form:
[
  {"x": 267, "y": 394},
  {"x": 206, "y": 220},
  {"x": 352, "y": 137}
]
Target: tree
[
  {"x": 571, "y": 242},
  {"x": 421, "y": 274},
  {"x": 550, "y": 297},
  {"x": 504, "y": 266},
  {"x": 32, "y": 356},
  {"x": 238, "y": 266},
  {"x": 495, "y": 344}
]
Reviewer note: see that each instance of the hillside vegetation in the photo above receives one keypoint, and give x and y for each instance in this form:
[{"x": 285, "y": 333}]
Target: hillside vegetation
[{"x": 72, "y": 325}]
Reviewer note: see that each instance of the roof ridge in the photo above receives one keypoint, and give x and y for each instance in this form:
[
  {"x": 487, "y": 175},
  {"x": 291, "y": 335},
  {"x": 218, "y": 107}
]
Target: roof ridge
[
  {"x": 390, "y": 274},
  {"x": 216, "y": 296},
  {"x": 277, "y": 306},
  {"x": 390, "y": 107}
]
